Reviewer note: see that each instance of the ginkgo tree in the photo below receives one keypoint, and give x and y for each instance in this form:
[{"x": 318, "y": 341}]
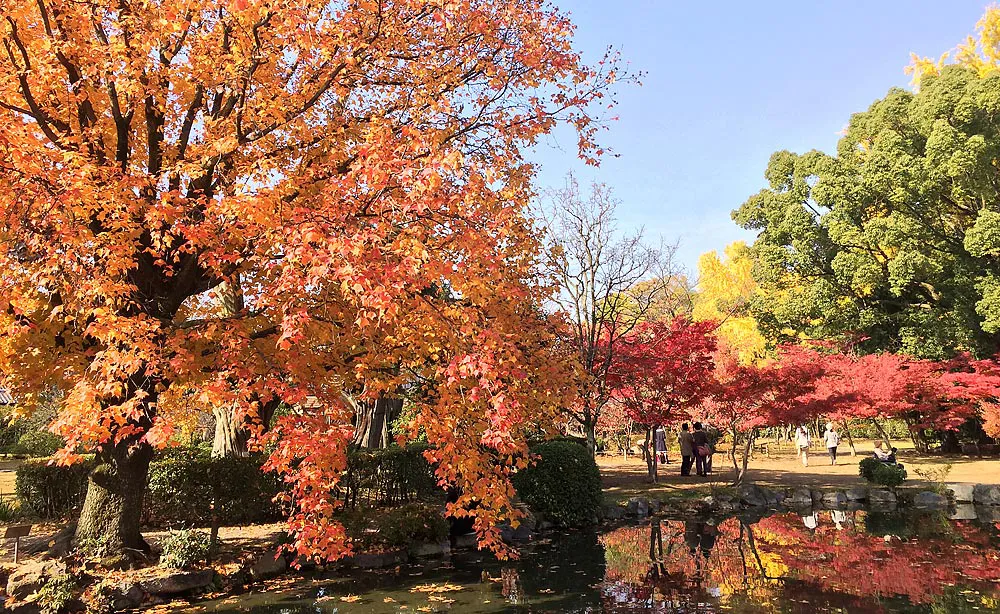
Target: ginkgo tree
[{"x": 344, "y": 159}]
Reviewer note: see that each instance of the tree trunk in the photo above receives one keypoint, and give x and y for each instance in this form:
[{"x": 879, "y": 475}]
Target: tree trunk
[
  {"x": 649, "y": 453},
  {"x": 109, "y": 521},
  {"x": 732, "y": 448},
  {"x": 747, "y": 448},
  {"x": 373, "y": 421},
  {"x": 590, "y": 432},
  {"x": 850, "y": 440},
  {"x": 231, "y": 436},
  {"x": 883, "y": 434}
]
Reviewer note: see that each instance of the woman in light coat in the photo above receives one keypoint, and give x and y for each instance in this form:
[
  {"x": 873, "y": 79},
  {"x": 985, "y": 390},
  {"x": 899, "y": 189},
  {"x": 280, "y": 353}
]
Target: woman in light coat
[{"x": 802, "y": 444}]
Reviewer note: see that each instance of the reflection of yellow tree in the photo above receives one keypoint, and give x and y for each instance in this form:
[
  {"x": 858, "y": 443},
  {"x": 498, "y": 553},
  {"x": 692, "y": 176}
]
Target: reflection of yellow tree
[
  {"x": 777, "y": 560},
  {"x": 667, "y": 557},
  {"x": 724, "y": 290}
]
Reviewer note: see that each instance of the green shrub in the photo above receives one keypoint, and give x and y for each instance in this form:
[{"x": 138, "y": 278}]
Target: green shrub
[
  {"x": 390, "y": 476},
  {"x": 52, "y": 491},
  {"x": 184, "y": 483},
  {"x": 56, "y": 593},
  {"x": 9, "y": 511},
  {"x": 372, "y": 529},
  {"x": 564, "y": 485},
  {"x": 883, "y": 474},
  {"x": 11, "y": 429},
  {"x": 182, "y": 549},
  {"x": 37, "y": 443}
]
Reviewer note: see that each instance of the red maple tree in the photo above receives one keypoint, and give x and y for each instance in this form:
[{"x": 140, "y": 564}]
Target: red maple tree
[
  {"x": 661, "y": 370},
  {"x": 748, "y": 397}
]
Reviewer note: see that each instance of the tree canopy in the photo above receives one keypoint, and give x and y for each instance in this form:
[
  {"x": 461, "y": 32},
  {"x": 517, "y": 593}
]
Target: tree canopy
[
  {"x": 894, "y": 238},
  {"x": 345, "y": 161}
]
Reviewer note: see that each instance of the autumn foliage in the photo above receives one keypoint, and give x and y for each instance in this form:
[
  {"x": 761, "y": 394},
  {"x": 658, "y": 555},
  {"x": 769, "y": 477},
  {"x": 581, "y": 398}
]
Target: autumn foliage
[
  {"x": 354, "y": 167},
  {"x": 663, "y": 369}
]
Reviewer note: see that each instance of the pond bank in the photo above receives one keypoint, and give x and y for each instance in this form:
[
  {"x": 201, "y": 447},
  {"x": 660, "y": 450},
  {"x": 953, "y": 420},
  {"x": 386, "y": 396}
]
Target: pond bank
[
  {"x": 754, "y": 560},
  {"x": 253, "y": 562}
]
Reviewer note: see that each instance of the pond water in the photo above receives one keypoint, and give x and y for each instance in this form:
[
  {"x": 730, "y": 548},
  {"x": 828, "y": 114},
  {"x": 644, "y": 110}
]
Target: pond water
[{"x": 827, "y": 561}]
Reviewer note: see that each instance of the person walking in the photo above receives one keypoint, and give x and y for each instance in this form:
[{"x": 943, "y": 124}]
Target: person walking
[
  {"x": 802, "y": 444},
  {"x": 686, "y": 445},
  {"x": 701, "y": 450},
  {"x": 832, "y": 441},
  {"x": 660, "y": 443}
]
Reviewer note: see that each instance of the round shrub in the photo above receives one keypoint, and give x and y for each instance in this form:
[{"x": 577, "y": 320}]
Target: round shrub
[
  {"x": 183, "y": 549},
  {"x": 883, "y": 474},
  {"x": 37, "y": 443},
  {"x": 52, "y": 491},
  {"x": 564, "y": 484}
]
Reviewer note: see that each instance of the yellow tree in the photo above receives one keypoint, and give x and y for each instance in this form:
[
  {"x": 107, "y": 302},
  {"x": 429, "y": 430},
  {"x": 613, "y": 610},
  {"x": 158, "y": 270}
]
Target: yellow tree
[
  {"x": 344, "y": 160},
  {"x": 725, "y": 286},
  {"x": 981, "y": 54}
]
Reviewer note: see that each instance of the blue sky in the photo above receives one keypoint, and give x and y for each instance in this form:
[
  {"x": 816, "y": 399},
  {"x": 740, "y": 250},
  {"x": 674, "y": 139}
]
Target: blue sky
[{"x": 727, "y": 84}]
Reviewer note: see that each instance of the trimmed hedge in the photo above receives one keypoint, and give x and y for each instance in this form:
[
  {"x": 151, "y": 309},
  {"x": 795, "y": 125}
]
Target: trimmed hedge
[
  {"x": 185, "y": 482},
  {"x": 389, "y": 476},
  {"x": 564, "y": 485},
  {"x": 51, "y": 491}
]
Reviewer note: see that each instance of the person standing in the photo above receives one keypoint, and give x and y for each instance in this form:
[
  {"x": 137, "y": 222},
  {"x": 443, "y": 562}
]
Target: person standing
[
  {"x": 660, "y": 443},
  {"x": 802, "y": 444},
  {"x": 686, "y": 445},
  {"x": 832, "y": 441},
  {"x": 701, "y": 451}
]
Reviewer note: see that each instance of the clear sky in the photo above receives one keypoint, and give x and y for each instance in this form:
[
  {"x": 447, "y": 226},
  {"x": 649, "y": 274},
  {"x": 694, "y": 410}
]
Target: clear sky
[{"x": 728, "y": 83}]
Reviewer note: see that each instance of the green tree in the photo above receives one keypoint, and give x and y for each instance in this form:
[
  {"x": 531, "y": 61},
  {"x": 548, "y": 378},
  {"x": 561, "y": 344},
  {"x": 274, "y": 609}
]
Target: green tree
[{"x": 894, "y": 238}]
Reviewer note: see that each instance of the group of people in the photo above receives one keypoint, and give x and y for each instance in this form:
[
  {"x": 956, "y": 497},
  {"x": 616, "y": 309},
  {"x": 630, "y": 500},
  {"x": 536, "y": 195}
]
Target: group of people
[
  {"x": 803, "y": 442},
  {"x": 832, "y": 440},
  {"x": 696, "y": 448}
]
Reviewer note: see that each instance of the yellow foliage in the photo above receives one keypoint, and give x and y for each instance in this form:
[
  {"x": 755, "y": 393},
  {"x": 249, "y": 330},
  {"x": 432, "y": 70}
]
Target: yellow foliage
[
  {"x": 982, "y": 53},
  {"x": 724, "y": 288}
]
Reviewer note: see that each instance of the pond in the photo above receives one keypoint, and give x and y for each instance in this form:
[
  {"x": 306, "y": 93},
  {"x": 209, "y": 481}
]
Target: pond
[{"x": 825, "y": 561}]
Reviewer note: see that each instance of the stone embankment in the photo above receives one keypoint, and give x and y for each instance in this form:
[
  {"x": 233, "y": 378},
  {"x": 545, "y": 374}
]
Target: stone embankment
[{"x": 960, "y": 501}]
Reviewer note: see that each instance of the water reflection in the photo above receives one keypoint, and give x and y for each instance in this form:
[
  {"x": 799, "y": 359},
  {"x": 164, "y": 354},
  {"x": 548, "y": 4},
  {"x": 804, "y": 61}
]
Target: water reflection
[
  {"x": 810, "y": 561},
  {"x": 861, "y": 561}
]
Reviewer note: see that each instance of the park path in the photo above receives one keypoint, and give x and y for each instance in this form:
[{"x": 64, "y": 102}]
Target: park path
[{"x": 624, "y": 479}]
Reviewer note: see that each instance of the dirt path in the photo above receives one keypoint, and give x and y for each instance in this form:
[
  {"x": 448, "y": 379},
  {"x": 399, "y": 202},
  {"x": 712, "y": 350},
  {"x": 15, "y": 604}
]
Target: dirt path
[{"x": 624, "y": 479}]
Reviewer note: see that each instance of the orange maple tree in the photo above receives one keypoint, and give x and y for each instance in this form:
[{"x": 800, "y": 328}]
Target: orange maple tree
[{"x": 356, "y": 166}]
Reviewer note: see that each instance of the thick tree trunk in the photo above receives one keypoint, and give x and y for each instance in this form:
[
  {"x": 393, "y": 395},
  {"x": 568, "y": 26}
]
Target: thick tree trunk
[
  {"x": 231, "y": 435},
  {"x": 373, "y": 421},
  {"x": 590, "y": 432},
  {"x": 109, "y": 521}
]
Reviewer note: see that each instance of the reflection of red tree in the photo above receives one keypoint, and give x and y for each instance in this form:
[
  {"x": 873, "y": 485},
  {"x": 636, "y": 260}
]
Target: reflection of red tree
[
  {"x": 779, "y": 555},
  {"x": 854, "y": 562}
]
